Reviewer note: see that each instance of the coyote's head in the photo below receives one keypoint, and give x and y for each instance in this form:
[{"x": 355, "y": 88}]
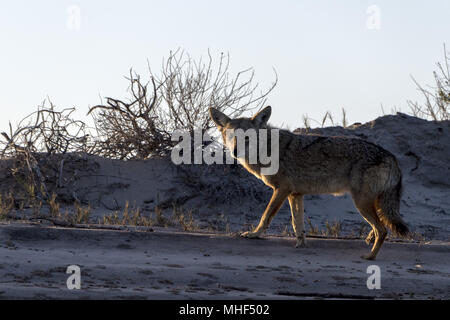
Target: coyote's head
[
  {"x": 250, "y": 140},
  {"x": 246, "y": 128}
]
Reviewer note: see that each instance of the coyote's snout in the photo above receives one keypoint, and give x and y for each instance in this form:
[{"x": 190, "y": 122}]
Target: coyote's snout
[{"x": 311, "y": 164}]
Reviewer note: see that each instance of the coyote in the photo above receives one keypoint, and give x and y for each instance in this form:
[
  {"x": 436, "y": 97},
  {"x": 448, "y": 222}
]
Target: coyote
[{"x": 312, "y": 164}]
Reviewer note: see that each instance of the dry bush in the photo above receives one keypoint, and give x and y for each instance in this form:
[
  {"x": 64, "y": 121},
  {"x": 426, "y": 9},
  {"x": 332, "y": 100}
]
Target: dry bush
[
  {"x": 189, "y": 88},
  {"x": 42, "y": 152},
  {"x": 140, "y": 127},
  {"x": 437, "y": 97},
  {"x": 48, "y": 131},
  {"x": 44, "y": 135},
  {"x": 133, "y": 129},
  {"x": 178, "y": 99}
]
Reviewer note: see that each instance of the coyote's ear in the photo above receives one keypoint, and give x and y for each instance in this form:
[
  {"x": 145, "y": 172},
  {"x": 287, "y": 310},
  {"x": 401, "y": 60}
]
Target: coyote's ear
[
  {"x": 218, "y": 117},
  {"x": 263, "y": 116}
]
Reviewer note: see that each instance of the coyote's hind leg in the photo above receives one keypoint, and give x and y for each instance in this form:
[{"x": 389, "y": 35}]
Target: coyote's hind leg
[
  {"x": 367, "y": 210},
  {"x": 370, "y": 237}
]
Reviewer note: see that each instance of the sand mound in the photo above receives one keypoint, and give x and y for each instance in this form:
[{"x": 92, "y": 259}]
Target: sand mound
[{"x": 222, "y": 196}]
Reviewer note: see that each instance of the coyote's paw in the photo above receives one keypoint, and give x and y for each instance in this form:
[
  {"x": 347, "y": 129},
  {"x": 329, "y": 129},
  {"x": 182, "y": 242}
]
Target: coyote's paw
[
  {"x": 250, "y": 234},
  {"x": 369, "y": 256},
  {"x": 301, "y": 243}
]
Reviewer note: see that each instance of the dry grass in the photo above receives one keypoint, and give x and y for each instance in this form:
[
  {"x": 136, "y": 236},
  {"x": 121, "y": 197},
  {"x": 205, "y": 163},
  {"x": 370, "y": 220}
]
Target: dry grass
[
  {"x": 130, "y": 217},
  {"x": 82, "y": 214},
  {"x": 313, "y": 230},
  {"x": 184, "y": 218},
  {"x": 6, "y": 205},
  {"x": 327, "y": 118},
  {"x": 160, "y": 219},
  {"x": 287, "y": 232},
  {"x": 344, "y": 118},
  {"x": 180, "y": 217},
  {"x": 54, "y": 206},
  {"x": 333, "y": 229},
  {"x": 415, "y": 236},
  {"x": 436, "y": 97}
]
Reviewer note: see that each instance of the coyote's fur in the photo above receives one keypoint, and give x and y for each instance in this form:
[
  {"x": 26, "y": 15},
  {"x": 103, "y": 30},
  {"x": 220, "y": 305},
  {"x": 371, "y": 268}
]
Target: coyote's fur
[{"x": 311, "y": 164}]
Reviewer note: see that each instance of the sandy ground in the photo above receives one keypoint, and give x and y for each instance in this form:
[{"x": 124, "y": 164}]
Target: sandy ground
[{"x": 166, "y": 264}]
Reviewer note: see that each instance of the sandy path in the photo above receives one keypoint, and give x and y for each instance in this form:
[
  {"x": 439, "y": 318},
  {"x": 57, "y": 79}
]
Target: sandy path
[{"x": 173, "y": 265}]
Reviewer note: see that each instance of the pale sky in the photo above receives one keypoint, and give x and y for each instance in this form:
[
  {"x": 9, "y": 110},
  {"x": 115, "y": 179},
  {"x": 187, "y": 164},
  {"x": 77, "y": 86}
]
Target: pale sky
[{"x": 325, "y": 54}]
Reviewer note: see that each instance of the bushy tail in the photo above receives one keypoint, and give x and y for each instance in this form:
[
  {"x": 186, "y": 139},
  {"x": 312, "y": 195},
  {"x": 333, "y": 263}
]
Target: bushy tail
[{"x": 388, "y": 204}]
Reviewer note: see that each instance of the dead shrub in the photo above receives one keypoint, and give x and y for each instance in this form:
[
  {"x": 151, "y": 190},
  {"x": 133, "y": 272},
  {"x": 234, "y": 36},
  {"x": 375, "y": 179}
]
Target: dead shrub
[
  {"x": 43, "y": 135},
  {"x": 178, "y": 99},
  {"x": 436, "y": 97}
]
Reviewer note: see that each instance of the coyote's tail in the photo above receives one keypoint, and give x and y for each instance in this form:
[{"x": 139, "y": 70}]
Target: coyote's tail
[{"x": 388, "y": 202}]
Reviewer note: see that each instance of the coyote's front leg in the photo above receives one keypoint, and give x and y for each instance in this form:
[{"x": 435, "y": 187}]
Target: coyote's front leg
[
  {"x": 298, "y": 222},
  {"x": 278, "y": 197}
]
